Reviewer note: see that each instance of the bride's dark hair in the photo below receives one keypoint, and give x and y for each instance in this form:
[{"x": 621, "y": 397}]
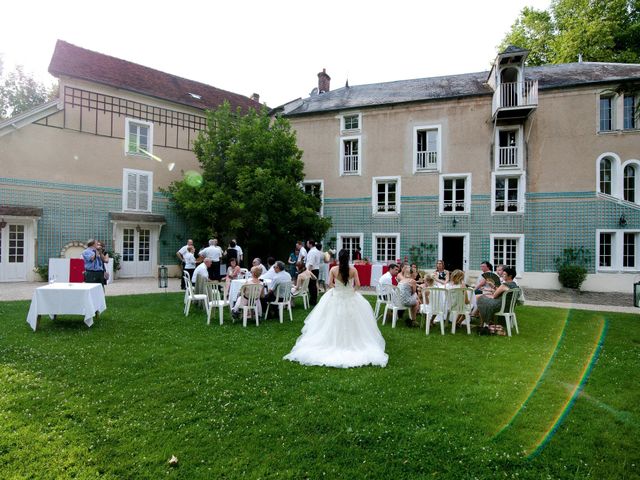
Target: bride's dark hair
[{"x": 343, "y": 265}]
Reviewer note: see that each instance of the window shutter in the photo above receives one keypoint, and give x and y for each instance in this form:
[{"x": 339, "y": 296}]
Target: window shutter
[
  {"x": 132, "y": 191},
  {"x": 143, "y": 192}
]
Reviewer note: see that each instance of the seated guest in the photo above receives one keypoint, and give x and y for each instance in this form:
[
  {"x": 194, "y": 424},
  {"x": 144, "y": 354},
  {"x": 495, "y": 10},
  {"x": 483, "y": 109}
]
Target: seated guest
[
  {"x": 488, "y": 305},
  {"x": 500, "y": 271},
  {"x": 241, "y": 301},
  {"x": 201, "y": 270},
  {"x": 270, "y": 273},
  {"x": 416, "y": 273},
  {"x": 408, "y": 291},
  {"x": 233, "y": 273},
  {"x": 387, "y": 278},
  {"x": 258, "y": 263},
  {"x": 303, "y": 274},
  {"x": 484, "y": 267},
  {"x": 441, "y": 275},
  {"x": 457, "y": 281},
  {"x": 281, "y": 276}
]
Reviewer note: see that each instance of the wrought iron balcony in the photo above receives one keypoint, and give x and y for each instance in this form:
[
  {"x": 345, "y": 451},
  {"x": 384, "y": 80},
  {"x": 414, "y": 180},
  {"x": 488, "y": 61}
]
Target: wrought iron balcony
[{"x": 515, "y": 99}]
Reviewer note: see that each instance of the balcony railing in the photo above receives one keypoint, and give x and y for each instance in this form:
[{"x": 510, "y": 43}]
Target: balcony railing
[
  {"x": 350, "y": 164},
  {"x": 426, "y": 160},
  {"x": 508, "y": 157},
  {"x": 514, "y": 95}
]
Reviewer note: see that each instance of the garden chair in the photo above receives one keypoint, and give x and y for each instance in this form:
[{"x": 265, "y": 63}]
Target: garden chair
[
  {"x": 215, "y": 301},
  {"x": 251, "y": 292},
  {"x": 303, "y": 293},
  {"x": 460, "y": 304},
  {"x": 283, "y": 299},
  {"x": 508, "y": 309},
  {"x": 383, "y": 294},
  {"x": 437, "y": 306},
  {"x": 395, "y": 304},
  {"x": 190, "y": 295}
]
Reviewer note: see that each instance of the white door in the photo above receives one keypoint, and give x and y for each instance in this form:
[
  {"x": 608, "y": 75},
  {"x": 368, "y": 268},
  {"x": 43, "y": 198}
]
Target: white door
[
  {"x": 137, "y": 252},
  {"x": 13, "y": 252}
]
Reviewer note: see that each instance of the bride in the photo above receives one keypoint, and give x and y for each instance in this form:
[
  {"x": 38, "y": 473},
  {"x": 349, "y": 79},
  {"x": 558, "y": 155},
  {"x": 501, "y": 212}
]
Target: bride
[{"x": 341, "y": 330}]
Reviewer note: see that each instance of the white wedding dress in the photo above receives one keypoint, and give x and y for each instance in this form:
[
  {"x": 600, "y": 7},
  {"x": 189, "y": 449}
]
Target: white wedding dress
[{"x": 340, "y": 331}]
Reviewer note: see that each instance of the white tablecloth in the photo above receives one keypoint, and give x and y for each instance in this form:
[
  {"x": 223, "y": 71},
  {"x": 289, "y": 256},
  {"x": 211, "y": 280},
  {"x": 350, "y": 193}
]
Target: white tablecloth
[
  {"x": 59, "y": 270},
  {"x": 234, "y": 289},
  {"x": 67, "y": 299}
]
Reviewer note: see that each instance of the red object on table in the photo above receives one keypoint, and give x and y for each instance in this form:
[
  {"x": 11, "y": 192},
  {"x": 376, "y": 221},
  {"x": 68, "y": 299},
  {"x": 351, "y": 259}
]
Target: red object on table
[
  {"x": 76, "y": 270},
  {"x": 364, "y": 273}
]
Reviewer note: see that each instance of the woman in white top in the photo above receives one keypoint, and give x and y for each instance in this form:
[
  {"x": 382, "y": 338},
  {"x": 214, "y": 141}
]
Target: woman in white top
[
  {"x": 341, "y": 330},
  {"x": 189, "y": 259}
]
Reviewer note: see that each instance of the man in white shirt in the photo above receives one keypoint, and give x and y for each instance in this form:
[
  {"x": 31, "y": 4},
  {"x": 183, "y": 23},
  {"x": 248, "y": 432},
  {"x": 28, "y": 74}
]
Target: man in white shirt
[
  {"x": 239, "y": 250},
  {"x": 387, "y": 278},
  {"x": 201, "y": 270},
  {"x": 213, "y": 252},
  {"x": 180, "y": 254},
  {"x": 314, "y": 258},
  {"x": 302, "y": 252},
  {"x": 271, "y": 271},
  {"x": 281, "y": 276}
]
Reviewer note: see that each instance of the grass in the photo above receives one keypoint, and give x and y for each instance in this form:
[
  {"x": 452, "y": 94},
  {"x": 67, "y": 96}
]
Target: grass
[{"x": 117, "y": 400}]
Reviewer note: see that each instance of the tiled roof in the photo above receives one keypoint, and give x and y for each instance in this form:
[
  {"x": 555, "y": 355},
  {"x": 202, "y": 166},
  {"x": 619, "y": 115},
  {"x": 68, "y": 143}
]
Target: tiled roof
[
  {"x": 452, "y": 86},
  {"x": 72, "y": 61}
]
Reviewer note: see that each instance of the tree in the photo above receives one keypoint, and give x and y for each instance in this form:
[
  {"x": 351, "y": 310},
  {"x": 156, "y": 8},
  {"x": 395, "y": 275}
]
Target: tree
[
  {"x": 250, "y": 185},
  {"x": 599, "y": 30},
  {"x": 20, "y": 92}
]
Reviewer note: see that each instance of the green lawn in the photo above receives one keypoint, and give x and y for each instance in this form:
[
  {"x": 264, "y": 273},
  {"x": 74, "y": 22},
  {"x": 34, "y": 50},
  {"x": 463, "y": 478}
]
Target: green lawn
[{"x": 117, "y": 400}]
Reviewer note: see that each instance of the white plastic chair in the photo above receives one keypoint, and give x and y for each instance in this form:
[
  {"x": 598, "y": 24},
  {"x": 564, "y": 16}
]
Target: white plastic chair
[
  {"x": 436, "y": 307},
  {"x": 215, "y": 301},
  {"x": 383, "y": 294},
  {"x": 251, "y": 293},
  {"x": 460, "y": 304},
  {"x": 395, "y": 304},
  {"x": 508, "y": 309},
  {"x": 303, "y": 293},
  {"x": 283, "y": 299},
  {"x": 190, "y": 296}
]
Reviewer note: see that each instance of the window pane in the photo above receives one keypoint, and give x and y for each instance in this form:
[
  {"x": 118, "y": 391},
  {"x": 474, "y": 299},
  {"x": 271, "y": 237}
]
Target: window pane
[
  {"x": 605, "y": 176},
  {"x": 605, "y": 113},
  {"x": 128, "y": 244},
  {"x": 629, "y": 183},
  {"x": 144, "y": 245},
  {"x": 629, "y": 255},
  {"x": 629, "y": 111},
  {"x": 16, "y": 244},
  {"x": 604, "y": 256}
]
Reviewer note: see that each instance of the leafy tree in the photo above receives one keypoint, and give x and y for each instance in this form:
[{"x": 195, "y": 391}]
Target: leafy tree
[
  {"x": 600, "y": 30},
  {"x": 250, "y": 185},
  {"x": 20, "y": 92}
]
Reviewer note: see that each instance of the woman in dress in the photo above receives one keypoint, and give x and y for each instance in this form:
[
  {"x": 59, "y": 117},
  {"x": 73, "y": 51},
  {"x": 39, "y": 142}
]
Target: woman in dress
[
  {"x": 408, "y": 290},
  {"x": 440, "y": 274},
  {"x": 341, "y": 330},
  {"x": 488, "y": 305}
]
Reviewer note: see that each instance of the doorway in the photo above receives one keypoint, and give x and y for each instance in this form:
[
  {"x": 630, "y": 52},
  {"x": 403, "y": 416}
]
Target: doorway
[
  {"x": 454, "y": 251},
  {"x": 138, "y": 247},
  {"x": 16, "y": 240}
]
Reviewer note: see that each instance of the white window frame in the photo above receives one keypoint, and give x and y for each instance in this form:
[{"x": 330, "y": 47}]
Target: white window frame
[
  {"x": 616, "y": 181},
  {"x": 635, "y": 164},
  {"x": 343, "y": 128},
  {"x": 375, "y": 181},
  {"x": 125, "y": 190},
  {"x": 321, "y": 182},
  {"x": 519, "y": 238},
  {"x": 634, "y": 113},
  {"x": 617, "y": 250},
  {"x": 519, "y": 148},
  {"x": 414, "y": 159},
  {"x": 341, "y": 160},
  {"x": 613, "y": 98},
  {"x": 374, "y": 246},
  {"x": 467, "y": 193},
  {"x": 341, "y": 235},
  {"x": 149, "y": 125},
  {"x": 521, "y": 191}
]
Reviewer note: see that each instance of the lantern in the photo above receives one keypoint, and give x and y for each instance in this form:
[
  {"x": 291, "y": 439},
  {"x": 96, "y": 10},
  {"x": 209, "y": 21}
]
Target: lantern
[{"x": 163, "y": 277}]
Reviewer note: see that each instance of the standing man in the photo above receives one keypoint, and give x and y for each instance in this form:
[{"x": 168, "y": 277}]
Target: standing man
[
  {"x": 314, "y": 259},
  {"x": 239, "y": 250},
  {"x": 180, "y": 254},
  {"x": 302, "y": 255},
  {"x": 93, "y": 263},
  {"x": 213, "y": 252}
]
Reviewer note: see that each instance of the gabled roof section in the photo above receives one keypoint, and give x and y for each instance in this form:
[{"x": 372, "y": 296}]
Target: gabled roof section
[
  {"x": 456, "y": 86},
  {"x": 37, "y": 113},
  {"x": 72, "y": 61}
]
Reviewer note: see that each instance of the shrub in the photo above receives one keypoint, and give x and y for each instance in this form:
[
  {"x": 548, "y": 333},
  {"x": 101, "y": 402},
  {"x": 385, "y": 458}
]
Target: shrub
[
  {"x": 572, "y": 266},
  {"x": 43, "y": 271}
]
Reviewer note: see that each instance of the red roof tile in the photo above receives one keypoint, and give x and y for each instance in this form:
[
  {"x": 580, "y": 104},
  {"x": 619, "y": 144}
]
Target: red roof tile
[{"x": 76, "y": 62}]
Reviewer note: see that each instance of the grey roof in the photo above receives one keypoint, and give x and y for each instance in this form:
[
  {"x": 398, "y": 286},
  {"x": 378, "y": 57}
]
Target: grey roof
[{"x": 464, "y": 85}]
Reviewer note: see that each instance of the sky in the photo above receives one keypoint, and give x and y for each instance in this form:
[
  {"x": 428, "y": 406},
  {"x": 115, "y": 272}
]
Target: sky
[{"x": 274, "y": 48}]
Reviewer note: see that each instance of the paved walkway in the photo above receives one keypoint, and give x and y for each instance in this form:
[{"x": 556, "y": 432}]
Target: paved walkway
[{"x": 611, "y": 302}]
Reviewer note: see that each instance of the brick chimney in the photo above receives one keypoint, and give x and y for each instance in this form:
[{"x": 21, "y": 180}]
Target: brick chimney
[
  {"x": 324, "y": 81},
  {"x": 255, "y": 97}
]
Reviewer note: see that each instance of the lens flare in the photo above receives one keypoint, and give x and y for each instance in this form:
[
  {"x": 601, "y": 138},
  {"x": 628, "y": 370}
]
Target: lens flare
[
  {"x": 193, "y": 179},
  {"x": 171, "y": 166},
  {"x": 149, "y": 154}
]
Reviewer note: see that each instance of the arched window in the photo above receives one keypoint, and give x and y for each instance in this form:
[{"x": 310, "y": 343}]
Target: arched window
[
  {"x": 629, "y": 183},
  {"x": 605, "y": 176}
]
